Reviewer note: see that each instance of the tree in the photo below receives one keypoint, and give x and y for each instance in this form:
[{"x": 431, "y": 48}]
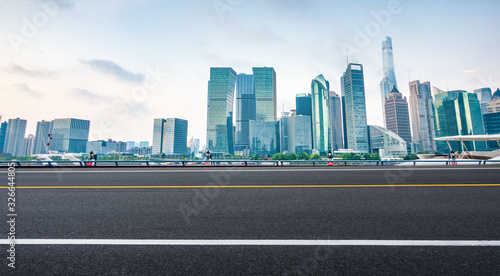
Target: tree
[
  {"x": 254, "y": 157},
  {"x": 304, "y": 156},
  {"x": 315, "y": 156},
  {"x": 278, "y": 156},
  {"x": 290, "y": 156}
]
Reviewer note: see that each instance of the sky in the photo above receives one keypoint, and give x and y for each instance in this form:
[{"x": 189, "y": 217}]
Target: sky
[{"x": 122, "y": 63}]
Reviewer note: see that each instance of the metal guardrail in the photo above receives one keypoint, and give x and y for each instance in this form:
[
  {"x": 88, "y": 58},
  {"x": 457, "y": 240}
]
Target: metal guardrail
[{"x": 228, "y": 162}]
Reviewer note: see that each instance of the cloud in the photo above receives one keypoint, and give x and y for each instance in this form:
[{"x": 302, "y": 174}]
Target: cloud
[
  {"x": 111, "y": 68},
  {"x": 25, "y": 89},
  {"x": 471, "y": 71},
  {"x": 18, "y": 69},
  {"x": 79, "y": 92}
]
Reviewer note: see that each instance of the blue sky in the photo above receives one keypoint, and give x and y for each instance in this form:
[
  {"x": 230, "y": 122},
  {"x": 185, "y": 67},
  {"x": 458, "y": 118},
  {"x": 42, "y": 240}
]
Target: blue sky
[{"x": 123, "y": 63}]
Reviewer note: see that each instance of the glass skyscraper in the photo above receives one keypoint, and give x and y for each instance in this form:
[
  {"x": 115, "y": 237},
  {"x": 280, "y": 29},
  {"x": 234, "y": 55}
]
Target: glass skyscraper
[
  {"x": 353, "y": 88},
  {"x": 334, "y": 107},
  {"x": 245, "y": 111},
  {"x": 389, "y": 78},
  {"x": 43, "y": 129},
  {"x": 220, "y": 110},
  {"x": 458, "y": 113},
  {"x": 283, "y": 126},
  {"x": 264, "y": 138},
  {"x": 320, "y": 91},
  {"x": 70, "y": 135},
  {"x": 3, "y": 131},
  {"x": 422, "y": 117},
  {"x": 299, "y": 134},
  {"x": 397, "y": 115},
  {"x": 175, "y": 133},
  {"x": 265, "y": 94},
  {"x": 158, "y": 136},
  {"x": 14, "y": 137},
  {"x": 484, "y": 97},
  {"x": 303, "y": 104}
]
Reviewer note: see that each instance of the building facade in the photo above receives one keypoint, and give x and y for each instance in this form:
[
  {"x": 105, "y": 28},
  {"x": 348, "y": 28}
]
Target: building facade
[
  {"x": 265, "y": 94},
  {"x": 320, "y": 91},
  {"x": 43, "y": 129},
  {"x": 494, "y": 105},
  {"x": 353, "y": 89},
  {"x": 14, "y": 137},
  {"x": 70, "y": 135},
  {"x": 386, "y": 143},
  {"x": 29, "y": 141},
  {"x": 458, "y": 113},
  {"x": 336, "y": 126},
  {"x": 175, "y": 133},
  {"x": 245, "y": 111},
  {"x": 107, "y": 147},
  {"x": 158, "y": 125},
  {"x": 220, "y": 110},
  {"x": 397, "y": 115},
  {"x": 3, "y": 132},
  {"x": 422, "y": 117},
  {"x": 264, "y": 138},
  {"x": 283, "y": 131},
  {"x": 299, "y": 134},
  {"x": 484, "y": 98}
]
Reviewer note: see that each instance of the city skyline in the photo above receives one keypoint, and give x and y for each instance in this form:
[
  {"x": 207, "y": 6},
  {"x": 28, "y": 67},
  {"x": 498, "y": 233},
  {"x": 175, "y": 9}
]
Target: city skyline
[{"x": 123, "y": 64}]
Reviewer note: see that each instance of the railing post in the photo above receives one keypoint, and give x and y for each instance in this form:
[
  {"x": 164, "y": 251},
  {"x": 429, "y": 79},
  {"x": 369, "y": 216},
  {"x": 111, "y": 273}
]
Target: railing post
[
  {"x": 116, "y": 163},
  {"x": 246, "y": 163},
  {"x": 147, "y": 164}
]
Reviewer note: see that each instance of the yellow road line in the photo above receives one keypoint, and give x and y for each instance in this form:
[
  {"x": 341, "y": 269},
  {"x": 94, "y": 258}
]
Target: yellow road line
[{"x": 255, "y": 186}]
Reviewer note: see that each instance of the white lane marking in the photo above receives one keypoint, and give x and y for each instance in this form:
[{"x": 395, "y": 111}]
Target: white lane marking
[
  {"x": 254, "y": 170},
  {"x": 460, "y": 243}
]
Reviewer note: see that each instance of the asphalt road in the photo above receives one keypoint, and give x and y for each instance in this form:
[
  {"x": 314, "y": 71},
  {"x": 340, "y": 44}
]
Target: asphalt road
[{"x": 254, "y": 204}]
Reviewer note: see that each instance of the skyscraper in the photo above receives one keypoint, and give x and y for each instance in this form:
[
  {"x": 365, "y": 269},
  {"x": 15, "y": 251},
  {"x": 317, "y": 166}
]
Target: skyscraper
[
  {"x": 389, "y": 78},
  {"x": 245, "y": 111},
  {"x": 355, "y": 108},
  {"x": 458, "y": 113},
  {"x": 265, "y": 94},
  {"x": 175, "y": 133},
  {"x": 70, "y": 135},
  {"x": 220, "y": 110},
  {"x": 299, "y": 134},
  {"x": 422, "y": 118},
  {"x": 494, "y": 105},
  {"x": 28, "y": 145},
  {"x": 320, "y": 90},
  {"x": 158, "y": 136},
  {"x": 303, "y": 104},
  {"x": 283, "y": 126},
  {"x": 484, "y": 97},
  {"x": 264, "y": 138},
  {"x": 3, "y": 131},
  {"x": 334, "y": 107},
  {"x": 397, "y": 115},
  {"x": 144, "y": 144},
  {"x": 43, "y": 129},
  {"x": 14, "y": 137}
]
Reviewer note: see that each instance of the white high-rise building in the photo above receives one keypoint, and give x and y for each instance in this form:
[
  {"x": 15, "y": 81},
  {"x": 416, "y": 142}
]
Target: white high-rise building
[{"x": 422, "y": 118}]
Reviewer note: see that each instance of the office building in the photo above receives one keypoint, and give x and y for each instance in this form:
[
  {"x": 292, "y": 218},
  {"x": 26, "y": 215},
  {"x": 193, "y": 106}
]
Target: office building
[
  {"x": 158, "y": 135},
  {"x": 303, "y": 104},
  {"x": 42, "y": 139},
  {"x": 422, "y": 117},
  {"x": 484, "y": 98},
  {"x": 107, "y": 147},
  {"x": 494, "y": 105},
  {"x": 353, "y": 89},
  {"x": 14, "y": 137},
  {"x": 335, "y": 111},
  {"x": 3, "y": 132},
  {"x": 264, "y": 138},
  {"x": 299, "y": 134},
  {"x": 265, "y": 94},
  {"x": 389, "y": 79},
  {"x": 283, "y": 131},
  {"x": 175, "y": 133},
  {"x": 220, "y": 110},
  {"x": 386, "y": 143},
  {"x": 320, "y": 91},
  {"x": 28, "y": 145},
  {"x": 245, "y": 112},
  {"x": 458, "y": 113},
  {"x": 193, "y": 146},
  {"x": 144, "y": 144},
  {"x": 397, "y": 115},
  {"x": 130, "y": 145},
  {"x": 70, "y": 135}
]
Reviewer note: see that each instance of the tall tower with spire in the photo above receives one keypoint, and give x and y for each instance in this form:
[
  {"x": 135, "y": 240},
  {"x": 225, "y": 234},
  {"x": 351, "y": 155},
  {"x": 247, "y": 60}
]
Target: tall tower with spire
[{"x": 389, "y": 79}]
